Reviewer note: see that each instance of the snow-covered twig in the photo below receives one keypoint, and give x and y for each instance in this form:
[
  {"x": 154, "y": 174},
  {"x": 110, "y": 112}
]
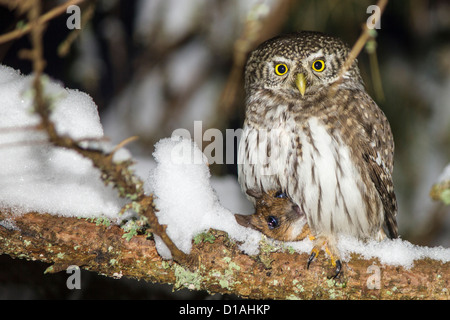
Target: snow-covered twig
[{"x": 117, "y": 173}]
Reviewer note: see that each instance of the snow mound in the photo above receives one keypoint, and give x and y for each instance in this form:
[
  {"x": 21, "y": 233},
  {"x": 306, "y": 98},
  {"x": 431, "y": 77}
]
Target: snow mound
[
  {"x": 187, "y": 203},
  {"x": 36, "y": 176}
]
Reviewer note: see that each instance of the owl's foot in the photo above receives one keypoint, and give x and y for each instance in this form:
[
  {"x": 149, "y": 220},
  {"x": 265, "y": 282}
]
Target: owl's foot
[{"x": 331, "y": 251}]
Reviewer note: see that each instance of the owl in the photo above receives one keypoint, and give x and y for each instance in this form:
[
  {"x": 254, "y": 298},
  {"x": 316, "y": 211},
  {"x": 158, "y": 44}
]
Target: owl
[{"x": 321, "y": 140}]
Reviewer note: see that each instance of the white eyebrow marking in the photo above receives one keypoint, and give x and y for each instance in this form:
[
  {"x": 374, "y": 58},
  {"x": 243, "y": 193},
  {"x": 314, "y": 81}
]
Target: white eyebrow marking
[
  {"x": 316, "y": 55},
  {"x": 282, "y": 59}
]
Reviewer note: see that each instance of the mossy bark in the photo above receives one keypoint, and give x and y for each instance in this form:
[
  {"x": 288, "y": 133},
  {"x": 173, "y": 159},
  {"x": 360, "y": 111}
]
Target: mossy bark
[{"x": 218, "y": 267}]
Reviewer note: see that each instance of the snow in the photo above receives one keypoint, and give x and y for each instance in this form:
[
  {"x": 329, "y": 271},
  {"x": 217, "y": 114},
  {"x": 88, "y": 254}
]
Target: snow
[
  {"x": 36, "y": 176},
  {"x": 187, "y": 203},
  {"x": 395, "y": 252},
  {"x": 445, "y": 175}
]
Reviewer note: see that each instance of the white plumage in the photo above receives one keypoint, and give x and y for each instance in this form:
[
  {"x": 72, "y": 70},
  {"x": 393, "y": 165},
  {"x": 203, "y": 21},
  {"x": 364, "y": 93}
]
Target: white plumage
[{"x": 329, "y": 192}]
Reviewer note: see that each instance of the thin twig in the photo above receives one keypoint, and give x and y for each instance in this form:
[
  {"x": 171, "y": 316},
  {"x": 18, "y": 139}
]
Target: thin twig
[
  {"x": 124, "y": 143},
  {"x": 18, "y": 144},
  {"x": 357, "y": 47},
  {"x": 86, "y": 16},
  {"x": 55, "y": 12},
  {"x": 375, "y": 72},
  {"x": 6, "y": 130}
]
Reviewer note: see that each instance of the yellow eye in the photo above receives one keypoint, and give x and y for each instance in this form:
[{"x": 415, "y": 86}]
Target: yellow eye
[
  {"x": 281, "y": 69},
  {"x": 318, "y": 65}
]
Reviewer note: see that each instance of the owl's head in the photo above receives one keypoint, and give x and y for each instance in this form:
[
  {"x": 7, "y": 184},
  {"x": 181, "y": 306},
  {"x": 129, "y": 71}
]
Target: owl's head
[{"x": 299, "y": 64}]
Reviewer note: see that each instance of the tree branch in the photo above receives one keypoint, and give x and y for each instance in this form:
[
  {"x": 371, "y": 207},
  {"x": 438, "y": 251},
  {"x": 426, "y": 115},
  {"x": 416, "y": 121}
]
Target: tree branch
[
  {"x": 18, "y": 33},
  {"x": 218, "y": 267}
]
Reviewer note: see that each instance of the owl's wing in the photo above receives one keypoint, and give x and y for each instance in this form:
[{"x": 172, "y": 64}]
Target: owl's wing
[
  {"x": 372, "y": 138},
  {"x": 380, "y": 163},
  {"x": 382, "y": 179}
]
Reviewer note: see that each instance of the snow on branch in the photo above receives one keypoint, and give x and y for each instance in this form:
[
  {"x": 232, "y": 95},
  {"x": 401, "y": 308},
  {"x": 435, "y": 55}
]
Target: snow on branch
[{"x": 115, "y": 172}]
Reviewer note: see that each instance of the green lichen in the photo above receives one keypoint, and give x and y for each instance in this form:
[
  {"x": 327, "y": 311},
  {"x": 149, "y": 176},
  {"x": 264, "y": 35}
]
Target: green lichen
[
  {"x": 224, "y": 283},
  {"x": 445, "y": 197},
  {"x": 227, "y": 279},
  {"x": 131, "y": 228},
  {"x": 97, "y": 220},
  {"x": 331, "y": 294},
  {"x": 113, "y": 262},
  {"x": 186, "y": 278},
  {"x": 441, "y": 192},
  {"x": 133, "y": 205},
  {"x": 334, "y": 283},
  {"x": 290, "y": 250},
  {"x": 335, "y": 287},
  {"x": 132, "y": 196},
  {"x": 128, "y": 235},
  {"x": 234, "y": 266},
  {"x": 48, "y": 270},
  {"x": 204, "y": 237},
  {"x": 298, "y": 286},
  {"x": 266, "y": 247},
  {"x": 102, "y": 221}
]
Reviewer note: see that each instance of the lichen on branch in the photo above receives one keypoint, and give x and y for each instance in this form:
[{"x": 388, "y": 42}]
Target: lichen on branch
[{"x": 217, "y": 265}]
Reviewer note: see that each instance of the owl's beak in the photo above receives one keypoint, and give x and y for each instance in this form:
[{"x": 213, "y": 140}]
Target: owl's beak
[{"x": 300, "y": 82}]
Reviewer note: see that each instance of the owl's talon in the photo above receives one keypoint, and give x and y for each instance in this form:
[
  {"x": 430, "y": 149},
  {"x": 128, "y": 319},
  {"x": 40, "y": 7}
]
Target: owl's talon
[
  {"x": 338, "y": 269},
  {"x": 331, "y": 250},
  {"x": 314, "y": 254}
]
